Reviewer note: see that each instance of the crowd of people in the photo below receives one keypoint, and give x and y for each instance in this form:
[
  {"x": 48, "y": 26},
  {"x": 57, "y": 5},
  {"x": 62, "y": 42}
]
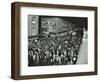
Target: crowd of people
[{"x": 62, "y": 49}]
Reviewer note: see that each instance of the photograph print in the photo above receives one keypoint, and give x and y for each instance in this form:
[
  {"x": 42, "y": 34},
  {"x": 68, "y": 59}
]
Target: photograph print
[
  {"x": 53, "y": 40},
  {"x": 57, "y": 40}
]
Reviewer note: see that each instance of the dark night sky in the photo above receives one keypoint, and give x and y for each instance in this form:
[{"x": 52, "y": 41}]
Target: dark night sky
[{"x": 79, "y": 21}]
